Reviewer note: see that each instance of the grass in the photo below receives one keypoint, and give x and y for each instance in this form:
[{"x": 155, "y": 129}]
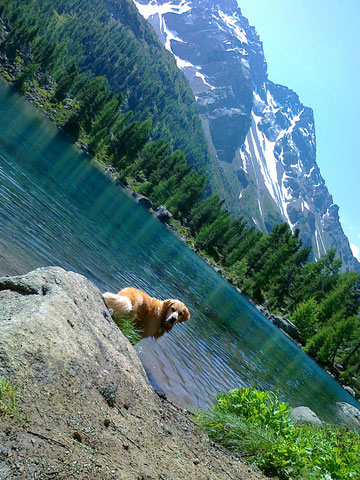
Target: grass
[
  {"x": 257, "y": 426},
  {"x": 128, "y": 328},
  {"x": 8, "y": 400}
]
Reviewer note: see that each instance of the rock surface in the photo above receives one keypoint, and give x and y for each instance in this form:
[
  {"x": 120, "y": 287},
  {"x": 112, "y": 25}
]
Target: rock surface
[
  {"x": 304, "y": 415},
  {"x": 143, "y": 201},
  {"x": 348, "y": 414},
  {"x": 88, "y": 409},
  {"x": 162, "y": 214},
  {"x": 350, "y": 390},
  {"x": 281, "y": 322}
]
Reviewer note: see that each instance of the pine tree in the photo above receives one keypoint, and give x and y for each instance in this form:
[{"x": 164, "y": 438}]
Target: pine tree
[
  {"x": 65, "y": 81},
  {"x": 305, "y": 318},
  {"x": 205, "y": 212},
  {"x": 342, "y": 296}
]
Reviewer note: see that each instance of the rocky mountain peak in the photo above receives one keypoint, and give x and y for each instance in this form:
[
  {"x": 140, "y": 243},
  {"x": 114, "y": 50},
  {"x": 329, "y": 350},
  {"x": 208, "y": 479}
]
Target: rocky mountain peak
[{"x": 261, "y": 135}]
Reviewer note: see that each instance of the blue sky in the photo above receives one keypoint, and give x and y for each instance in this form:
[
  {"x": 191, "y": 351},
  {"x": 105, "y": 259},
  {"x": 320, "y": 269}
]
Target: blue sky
[{"x": 313, "y": 47}]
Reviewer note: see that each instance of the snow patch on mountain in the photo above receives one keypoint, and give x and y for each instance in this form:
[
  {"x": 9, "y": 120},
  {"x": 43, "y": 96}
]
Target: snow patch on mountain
[
  {"x": 293, "y": 121},
  {"x": 356, "y": 251},
  {"x": 263, "y": 150},
  {"x": 202, "y": 76},
  {"x": 310, "y": 172},
  {"x": 231, "y": 21},
  {"x": 153, "y": 8}
]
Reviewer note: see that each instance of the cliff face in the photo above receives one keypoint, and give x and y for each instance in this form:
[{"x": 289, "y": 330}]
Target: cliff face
[{"x": 262, "y": 137}]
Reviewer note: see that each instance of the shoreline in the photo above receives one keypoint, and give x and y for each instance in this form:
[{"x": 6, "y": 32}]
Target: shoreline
[{"x": 282, "y": 323}]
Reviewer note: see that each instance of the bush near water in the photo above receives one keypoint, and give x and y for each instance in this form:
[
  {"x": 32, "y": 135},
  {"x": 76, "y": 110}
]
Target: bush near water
[
  {"x": 257, "y": 426},
  {"x": 107, "y": 81}
]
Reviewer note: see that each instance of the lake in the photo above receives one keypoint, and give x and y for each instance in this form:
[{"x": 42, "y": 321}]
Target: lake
[{"x": 57, "y": 208}]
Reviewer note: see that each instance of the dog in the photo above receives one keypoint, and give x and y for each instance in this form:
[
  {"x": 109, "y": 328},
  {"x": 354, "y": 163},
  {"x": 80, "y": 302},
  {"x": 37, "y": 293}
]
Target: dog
[{"x": 151, "y": 316}]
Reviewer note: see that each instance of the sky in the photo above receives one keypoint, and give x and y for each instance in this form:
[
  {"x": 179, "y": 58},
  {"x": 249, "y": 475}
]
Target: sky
[{"x": 313, "y": 47}]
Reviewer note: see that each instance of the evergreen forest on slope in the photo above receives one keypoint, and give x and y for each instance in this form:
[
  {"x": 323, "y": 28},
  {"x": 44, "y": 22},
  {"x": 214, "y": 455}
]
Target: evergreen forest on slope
[{"x": 101, "y": 74}]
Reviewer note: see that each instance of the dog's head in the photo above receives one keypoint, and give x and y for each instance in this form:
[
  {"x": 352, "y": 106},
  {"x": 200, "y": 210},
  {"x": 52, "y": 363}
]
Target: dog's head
[{"x": 173, "y": 312}]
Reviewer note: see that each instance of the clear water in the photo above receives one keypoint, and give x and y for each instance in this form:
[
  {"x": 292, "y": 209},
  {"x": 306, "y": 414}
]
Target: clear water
[{"x": 57, "y": 208}]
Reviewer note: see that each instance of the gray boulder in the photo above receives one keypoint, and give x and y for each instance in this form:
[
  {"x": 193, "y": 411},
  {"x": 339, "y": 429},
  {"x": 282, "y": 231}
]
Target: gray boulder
[
  {"x": 143, "y": 201},
  {"x": 304, "y": 415},
  {"x": 348, "y": 414},
  {"x": 163, "y": 214},
  {"x": 262, "y": 310},
  {"x": 281, "y": 322},
  {"x": 87, "y": 410},
  {"x": 286, "y": 326},
  {"x": 349, "y": 390}
]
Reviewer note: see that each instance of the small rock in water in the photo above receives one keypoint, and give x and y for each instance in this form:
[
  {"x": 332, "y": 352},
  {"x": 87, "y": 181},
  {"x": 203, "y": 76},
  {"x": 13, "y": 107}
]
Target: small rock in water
[{"x": 350, "y": 390}]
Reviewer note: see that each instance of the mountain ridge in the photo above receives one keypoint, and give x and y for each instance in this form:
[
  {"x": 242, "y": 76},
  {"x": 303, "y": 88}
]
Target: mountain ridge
[{"x": 262, "y": 137}]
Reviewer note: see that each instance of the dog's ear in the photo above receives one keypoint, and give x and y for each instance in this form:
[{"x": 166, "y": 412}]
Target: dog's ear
[
  {"x": 166, "y": 304},
  {"x": 186, "y": 316}
]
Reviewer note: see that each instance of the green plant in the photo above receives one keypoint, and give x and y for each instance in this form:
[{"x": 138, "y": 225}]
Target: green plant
[
  {"x": 109, "y": 394},
  {"x": 8, "y": 399},
  {"x": 257, "y": 426},
  {"x": 128, "y": 328},
  {"x": 257, "y": 407},
  {"x": 305, "y": 317},
  {"x": 237, "y": 272}
]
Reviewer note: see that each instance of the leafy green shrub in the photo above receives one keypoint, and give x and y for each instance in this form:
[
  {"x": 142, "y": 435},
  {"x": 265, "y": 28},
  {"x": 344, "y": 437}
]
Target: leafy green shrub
[
  {"x": 237, "y": 272},
  {"x": 257, "y": 425},
  {"x": 257, "y": 407}
]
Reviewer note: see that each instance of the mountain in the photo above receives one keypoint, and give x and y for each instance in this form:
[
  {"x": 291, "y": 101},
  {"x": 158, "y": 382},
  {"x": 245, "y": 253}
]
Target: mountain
[{"x": 262, "y": 138}]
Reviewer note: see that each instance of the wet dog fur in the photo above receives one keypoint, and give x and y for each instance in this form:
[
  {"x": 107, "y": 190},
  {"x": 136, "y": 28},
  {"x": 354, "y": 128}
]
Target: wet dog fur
[{"x": 151, "y": 316}]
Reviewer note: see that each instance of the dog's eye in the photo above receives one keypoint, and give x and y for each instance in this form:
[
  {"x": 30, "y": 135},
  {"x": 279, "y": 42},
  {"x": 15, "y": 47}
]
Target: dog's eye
[
  {"x": 181, "y": 313},
  {"x": 173, "y": 309}
]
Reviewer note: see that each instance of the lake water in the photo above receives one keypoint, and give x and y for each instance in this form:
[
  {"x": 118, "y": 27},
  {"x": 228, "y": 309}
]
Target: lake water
[{"x": 57, "y": 208}]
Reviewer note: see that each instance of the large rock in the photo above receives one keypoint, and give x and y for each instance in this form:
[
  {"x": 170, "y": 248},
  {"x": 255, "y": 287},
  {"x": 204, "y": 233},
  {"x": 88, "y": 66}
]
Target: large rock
[
  {"x": 286, "y": 326},
  {"x": 143, "y": 201},
  {"x": 163, "y": 214},
  {"x": 350, "y": 390},
  {"x": 281, "y": 322},
  {"x": 304, "y": 415},
  {"x": 348, "y": 414},
  {"x": 87, "y": 408}
]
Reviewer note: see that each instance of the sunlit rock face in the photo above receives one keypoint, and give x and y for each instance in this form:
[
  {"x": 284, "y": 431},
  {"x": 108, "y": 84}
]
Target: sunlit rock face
[{"x": 261, "y": 135}]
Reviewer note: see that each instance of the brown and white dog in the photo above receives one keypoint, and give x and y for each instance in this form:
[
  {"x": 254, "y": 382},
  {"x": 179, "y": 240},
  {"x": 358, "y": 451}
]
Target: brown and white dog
[{"x": 153, "y": 317}]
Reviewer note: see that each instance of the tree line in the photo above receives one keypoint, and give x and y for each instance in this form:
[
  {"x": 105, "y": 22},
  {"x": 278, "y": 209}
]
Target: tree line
[
  {"x": 120, "y": 47},
  {"x": 134, "y": 116}
]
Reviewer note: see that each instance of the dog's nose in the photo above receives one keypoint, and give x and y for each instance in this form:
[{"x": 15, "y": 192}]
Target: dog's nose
[{"x": 172, "y": 320}]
